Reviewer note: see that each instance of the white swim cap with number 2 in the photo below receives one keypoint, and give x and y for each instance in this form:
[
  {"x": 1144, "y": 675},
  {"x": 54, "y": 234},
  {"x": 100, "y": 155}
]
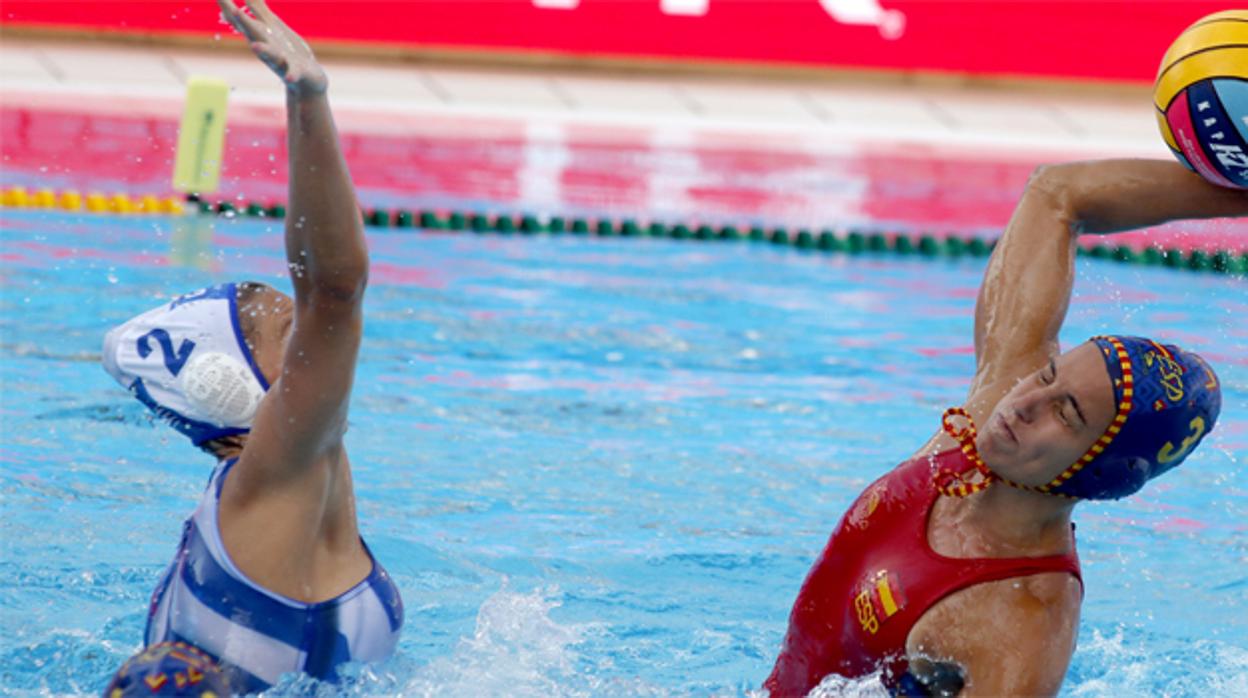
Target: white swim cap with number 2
[{"x": 187, "y": 361}]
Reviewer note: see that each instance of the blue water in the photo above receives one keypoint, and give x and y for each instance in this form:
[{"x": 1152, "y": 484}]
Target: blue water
[{"x": 594, "y": 467}]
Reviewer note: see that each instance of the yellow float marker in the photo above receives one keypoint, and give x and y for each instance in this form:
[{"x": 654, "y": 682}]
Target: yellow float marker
[
  {"x": 201, "y": 137},
  {"x": 197, "y": 168}
]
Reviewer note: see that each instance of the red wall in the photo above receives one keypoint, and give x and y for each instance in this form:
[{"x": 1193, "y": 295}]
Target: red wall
[{"x": 1090, "y": 39}]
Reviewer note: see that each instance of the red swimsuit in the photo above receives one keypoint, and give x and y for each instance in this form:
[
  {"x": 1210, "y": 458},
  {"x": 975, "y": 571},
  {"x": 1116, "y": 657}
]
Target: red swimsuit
[{"x": 877, "y": 577}]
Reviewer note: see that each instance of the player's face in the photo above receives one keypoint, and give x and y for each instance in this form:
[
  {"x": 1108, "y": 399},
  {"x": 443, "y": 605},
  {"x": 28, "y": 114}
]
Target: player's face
[{"x": 1050, "y": 418}]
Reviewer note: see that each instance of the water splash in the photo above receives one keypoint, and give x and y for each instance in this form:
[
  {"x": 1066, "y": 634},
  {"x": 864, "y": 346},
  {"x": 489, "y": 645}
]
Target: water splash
[
  {"x": 840, "y": 687},
  {"x": 1123, "y": 663},
  {"x": 516, "y": 650}
]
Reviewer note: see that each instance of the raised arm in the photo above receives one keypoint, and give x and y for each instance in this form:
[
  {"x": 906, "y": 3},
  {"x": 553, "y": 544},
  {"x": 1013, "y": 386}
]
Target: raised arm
[
  {"x": 1026, "y": 289},
  {"x": 302, "y": 420}
]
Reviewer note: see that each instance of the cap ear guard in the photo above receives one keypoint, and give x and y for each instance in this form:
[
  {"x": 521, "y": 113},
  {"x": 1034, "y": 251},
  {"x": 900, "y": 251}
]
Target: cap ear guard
[
  {"x": 1168, "y": 401},
  {"x": 221, "y": 389}
]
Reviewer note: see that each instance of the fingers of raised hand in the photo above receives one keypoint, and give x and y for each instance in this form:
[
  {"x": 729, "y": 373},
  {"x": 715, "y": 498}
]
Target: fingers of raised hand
[
  {"x": 244, "y": 24},
  {"x": 260, "y": 9},
  {"x": 229, "y": 12}
]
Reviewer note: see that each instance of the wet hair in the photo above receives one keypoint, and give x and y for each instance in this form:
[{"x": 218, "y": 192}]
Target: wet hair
[
  {"x": 220, "y": 448},
  {"x": 248, "y": 293}
]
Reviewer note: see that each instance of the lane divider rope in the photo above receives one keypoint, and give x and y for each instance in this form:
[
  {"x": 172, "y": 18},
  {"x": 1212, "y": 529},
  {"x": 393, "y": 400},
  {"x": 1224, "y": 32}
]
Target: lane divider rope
[
  {"x": 92, "y": 202},
  {"x": 851, "y": 241}
]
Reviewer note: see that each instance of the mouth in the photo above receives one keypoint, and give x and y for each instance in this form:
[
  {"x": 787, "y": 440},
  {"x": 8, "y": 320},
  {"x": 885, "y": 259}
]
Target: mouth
[{"x": 1004, "y": 428}]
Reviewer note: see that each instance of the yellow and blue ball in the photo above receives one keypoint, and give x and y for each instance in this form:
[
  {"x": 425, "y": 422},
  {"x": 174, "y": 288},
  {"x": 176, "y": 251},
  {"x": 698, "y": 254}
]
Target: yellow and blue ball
[{"x": 1201, "y": 96}]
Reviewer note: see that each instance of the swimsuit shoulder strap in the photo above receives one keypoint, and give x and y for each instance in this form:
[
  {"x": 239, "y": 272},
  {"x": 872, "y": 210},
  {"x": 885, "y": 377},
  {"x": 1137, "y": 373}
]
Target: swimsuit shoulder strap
[{"x": 943, "y": 575}]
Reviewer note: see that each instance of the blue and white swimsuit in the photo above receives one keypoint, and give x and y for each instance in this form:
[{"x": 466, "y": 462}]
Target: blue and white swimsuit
[{"x": 257, "y": 635}]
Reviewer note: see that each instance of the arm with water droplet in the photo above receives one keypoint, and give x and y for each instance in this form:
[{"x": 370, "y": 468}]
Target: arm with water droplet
[
  {"x": 327, "y": 256},
  {"x": 1026, "y": 288}
]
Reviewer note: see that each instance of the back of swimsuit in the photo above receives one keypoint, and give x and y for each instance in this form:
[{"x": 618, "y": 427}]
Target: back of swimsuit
[{"x": 204, "y": 600}]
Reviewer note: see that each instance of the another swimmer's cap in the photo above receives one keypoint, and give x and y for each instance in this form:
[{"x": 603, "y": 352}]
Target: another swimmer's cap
[
  {"x": 1167, "y": 400},
  {"x": 221, "y": 388},
  {"x": 169, "y": 669}
]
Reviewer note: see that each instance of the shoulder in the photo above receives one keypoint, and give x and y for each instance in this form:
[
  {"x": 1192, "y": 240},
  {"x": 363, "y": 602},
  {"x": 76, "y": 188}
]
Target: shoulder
[{"x": 1013, "y": 636}]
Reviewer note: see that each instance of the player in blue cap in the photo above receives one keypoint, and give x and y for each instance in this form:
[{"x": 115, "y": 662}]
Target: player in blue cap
[
  {"x": 957, "y": 570},
  {"x": 271, "y": 575},
  {"x": 173, "y": 669}
]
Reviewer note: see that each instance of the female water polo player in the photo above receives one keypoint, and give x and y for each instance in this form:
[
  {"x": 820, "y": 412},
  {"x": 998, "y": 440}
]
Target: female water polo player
[
  {"x": 271, "y": 575},
  {"x": 957, "y": 570}
]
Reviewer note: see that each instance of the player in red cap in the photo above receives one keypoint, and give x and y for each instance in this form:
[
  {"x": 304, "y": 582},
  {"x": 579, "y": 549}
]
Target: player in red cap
[{"x": 957, "y": 570}]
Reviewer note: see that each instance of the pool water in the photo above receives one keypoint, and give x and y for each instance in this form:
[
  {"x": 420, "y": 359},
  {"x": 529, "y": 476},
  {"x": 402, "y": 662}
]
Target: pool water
[{"x": 594, "y": 467}]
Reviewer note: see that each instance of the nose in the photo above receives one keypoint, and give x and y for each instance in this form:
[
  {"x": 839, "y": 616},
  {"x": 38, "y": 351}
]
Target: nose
[{"x": 1029, "y": 404}]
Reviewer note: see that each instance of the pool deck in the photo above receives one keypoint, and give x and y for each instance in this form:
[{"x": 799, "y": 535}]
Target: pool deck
[{"x": 1081, "y": 121}]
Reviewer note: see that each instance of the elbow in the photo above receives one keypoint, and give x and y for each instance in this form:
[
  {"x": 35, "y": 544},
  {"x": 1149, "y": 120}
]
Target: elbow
[
  {"x": 342, "y": 287},
  {"x": 1060, "y": 188},
  {"x": 339, "y": 275}
]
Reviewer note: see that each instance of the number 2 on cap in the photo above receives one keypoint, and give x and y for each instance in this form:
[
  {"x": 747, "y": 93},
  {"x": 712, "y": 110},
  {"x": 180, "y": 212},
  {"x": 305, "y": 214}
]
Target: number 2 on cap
[{"x": 173, "y": 361}]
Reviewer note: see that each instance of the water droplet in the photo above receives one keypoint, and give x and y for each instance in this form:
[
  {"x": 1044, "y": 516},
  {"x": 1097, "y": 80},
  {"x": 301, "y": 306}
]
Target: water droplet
[{"x": 112, "y": 278}]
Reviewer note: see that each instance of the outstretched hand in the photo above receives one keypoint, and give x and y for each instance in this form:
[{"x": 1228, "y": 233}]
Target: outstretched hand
[{"x": 284, "y": 51}]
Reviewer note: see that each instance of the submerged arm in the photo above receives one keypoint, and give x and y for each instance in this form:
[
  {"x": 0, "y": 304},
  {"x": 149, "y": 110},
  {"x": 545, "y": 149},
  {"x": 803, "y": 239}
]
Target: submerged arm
[{"x": 1026, "y": 288}]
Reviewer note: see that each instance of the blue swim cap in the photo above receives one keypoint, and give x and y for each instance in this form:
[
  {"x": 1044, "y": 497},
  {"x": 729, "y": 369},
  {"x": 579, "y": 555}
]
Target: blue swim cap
[
  {"x": 169, "y": 669},
  {"x": 1168, "y": 399}
]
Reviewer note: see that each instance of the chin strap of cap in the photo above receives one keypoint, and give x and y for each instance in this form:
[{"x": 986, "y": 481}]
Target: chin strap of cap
[{"x": 957, "y": 484}]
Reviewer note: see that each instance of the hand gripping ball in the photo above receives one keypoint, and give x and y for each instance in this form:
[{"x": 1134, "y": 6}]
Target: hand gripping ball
[{"x": 1201, "y": 97}]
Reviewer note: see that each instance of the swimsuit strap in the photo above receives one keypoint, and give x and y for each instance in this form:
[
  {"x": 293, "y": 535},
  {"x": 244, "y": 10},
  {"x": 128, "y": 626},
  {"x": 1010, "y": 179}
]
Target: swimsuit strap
[{"x": 954, "y": 483}]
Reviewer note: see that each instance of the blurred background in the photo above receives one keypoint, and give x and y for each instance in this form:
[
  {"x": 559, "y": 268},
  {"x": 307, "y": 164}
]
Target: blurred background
[{"x": 920, "y": 116}]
